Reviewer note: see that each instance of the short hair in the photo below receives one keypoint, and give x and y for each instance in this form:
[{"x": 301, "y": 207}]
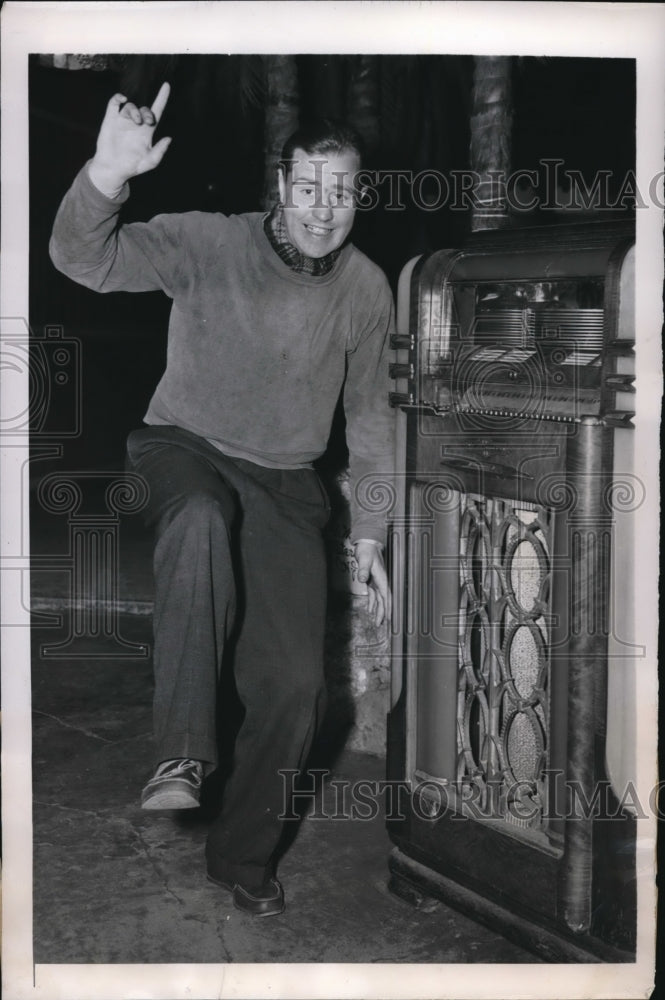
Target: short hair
[{"x": 322, "y": 135}]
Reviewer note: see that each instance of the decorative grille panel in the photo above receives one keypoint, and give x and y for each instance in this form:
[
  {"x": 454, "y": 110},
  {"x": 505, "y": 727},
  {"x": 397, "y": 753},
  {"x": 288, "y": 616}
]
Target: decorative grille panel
[{"x": 504, "y": 682}]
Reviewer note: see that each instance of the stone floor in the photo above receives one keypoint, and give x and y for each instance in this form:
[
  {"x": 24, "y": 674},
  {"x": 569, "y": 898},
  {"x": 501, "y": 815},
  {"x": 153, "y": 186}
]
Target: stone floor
[{"x": 114, "y": 884}]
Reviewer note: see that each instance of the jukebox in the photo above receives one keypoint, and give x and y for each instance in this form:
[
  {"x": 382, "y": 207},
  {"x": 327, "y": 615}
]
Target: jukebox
[{"x": 512, "y": 706}]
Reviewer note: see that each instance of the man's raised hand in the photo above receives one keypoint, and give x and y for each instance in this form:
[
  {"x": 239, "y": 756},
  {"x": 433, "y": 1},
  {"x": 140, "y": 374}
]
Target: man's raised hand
[{"x": 124, "y": 144}]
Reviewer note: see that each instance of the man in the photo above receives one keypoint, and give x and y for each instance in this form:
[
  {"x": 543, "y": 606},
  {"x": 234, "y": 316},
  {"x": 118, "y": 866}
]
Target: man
[{"x": 271, "y": 317}]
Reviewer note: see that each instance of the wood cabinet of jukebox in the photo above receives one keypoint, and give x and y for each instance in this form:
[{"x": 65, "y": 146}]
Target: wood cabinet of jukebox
[{"x": 512, "y": 720}]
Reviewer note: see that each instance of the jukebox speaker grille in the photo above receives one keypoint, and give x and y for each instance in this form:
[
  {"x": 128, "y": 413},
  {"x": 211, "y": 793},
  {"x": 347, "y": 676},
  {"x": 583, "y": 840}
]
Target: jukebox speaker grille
[{"x": 503, "y": 690}]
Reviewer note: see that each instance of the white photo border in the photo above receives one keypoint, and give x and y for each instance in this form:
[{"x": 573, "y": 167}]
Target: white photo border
[{"x": 635, "y": 31}]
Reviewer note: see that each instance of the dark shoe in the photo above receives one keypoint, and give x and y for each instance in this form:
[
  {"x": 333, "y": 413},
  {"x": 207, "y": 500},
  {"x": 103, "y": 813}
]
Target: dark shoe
[
  {"x": 175, "y": 785},
  {"x": 266, "y": 901}
]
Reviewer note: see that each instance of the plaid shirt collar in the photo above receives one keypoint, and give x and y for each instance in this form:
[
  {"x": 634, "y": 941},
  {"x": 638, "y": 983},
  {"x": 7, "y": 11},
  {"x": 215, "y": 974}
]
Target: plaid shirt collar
[{"x": 275, "y": 230}]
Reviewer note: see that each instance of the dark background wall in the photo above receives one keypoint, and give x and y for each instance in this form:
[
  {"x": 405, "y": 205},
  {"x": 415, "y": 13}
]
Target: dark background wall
[{"x": 579, "y": 110}]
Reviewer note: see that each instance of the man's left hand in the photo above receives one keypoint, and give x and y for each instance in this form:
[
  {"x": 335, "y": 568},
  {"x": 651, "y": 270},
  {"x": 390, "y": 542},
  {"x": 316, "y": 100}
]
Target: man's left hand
[{"x": 372, "y": 571}]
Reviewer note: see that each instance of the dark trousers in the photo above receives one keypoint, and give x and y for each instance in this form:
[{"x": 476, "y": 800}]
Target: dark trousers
[{"x": 239, "y": 567}]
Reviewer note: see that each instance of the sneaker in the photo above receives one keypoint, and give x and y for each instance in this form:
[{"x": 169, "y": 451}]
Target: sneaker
[{"x": 176, "y": 785}]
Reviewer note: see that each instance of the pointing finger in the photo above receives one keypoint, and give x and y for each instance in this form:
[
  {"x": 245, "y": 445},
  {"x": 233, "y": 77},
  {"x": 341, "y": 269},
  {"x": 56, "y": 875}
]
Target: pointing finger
[{"x": 160, "y": 101}]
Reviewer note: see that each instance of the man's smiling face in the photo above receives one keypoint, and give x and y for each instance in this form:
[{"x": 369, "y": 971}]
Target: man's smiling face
[{"x": 318, "y": 194}]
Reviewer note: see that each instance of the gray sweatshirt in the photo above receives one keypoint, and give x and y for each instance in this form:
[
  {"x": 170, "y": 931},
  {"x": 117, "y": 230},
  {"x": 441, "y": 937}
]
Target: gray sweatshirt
[{"x": 257, "y": 353}]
